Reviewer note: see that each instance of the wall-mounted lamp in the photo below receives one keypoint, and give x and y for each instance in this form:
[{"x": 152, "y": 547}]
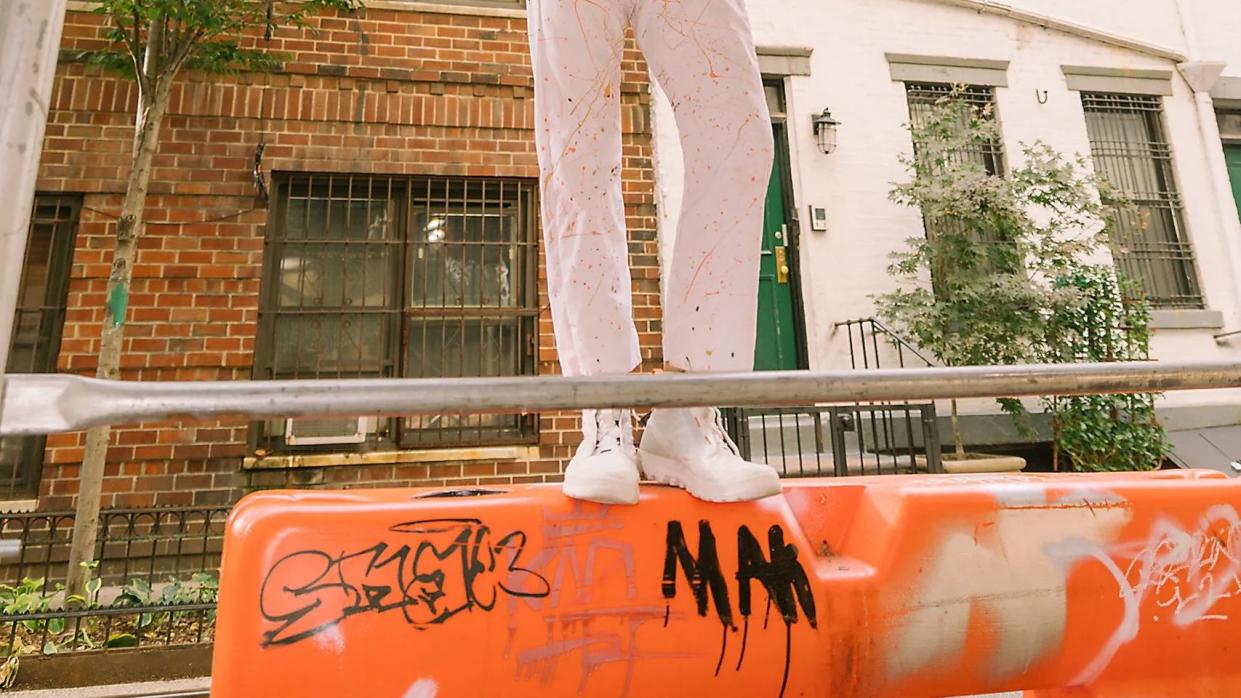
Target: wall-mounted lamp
[{"x": 825, "y": 131}]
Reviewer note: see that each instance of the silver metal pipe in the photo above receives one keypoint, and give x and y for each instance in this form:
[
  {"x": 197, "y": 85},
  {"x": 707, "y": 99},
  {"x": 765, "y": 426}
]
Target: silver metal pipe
[
  {"x": 37, "y": 404},
  {"x": 29, "y": 43}
]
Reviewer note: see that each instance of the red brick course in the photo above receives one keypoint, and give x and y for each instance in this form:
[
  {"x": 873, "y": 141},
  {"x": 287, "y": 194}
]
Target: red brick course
[{"x": 382, "y": 92}]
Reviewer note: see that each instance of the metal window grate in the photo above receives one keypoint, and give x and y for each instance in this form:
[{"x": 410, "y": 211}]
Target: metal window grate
[
  {"x": 922, "y": 97},
  {"x": 399, "y": 277},
  {"x": 986, "y": 155},
  {"x": 38, "y": 323},
  {"x": 1149, "y": 244}
]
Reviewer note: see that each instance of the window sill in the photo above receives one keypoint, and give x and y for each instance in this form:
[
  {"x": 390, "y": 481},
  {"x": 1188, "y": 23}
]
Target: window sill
[
  {"x": 18, "y": 506},
  {"x": 1186, "y": 320},
  {"x": 403, "y": 5},
  {"x": 447, "y": 8},
  {"x": 439, "y": 455}
]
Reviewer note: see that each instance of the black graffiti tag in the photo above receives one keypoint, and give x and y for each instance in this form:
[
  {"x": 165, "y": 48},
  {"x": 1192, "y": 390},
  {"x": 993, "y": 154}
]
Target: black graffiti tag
[
  {"x": 702, "y": 572},
  {"x": 429, "y": 570},
  {"x": 782, "y": 577}
]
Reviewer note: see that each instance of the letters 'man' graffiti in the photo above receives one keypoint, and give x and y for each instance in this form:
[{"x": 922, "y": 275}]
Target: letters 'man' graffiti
[{"x": 782, "y": 577}]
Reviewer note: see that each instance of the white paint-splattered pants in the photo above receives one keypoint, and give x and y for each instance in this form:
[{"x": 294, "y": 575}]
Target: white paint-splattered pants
[{"x": 702, "y": 54}]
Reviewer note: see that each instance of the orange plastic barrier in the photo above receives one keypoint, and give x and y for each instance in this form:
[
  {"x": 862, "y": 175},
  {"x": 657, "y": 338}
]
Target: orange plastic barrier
[{"x": 1070, "y": 585}]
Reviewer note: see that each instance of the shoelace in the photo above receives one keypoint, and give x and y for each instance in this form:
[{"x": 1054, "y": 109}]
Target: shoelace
[
  {"x": 604, "y": 431},
  {"x": 608, "y": 434},
  {"x": 718, "y": 435}
]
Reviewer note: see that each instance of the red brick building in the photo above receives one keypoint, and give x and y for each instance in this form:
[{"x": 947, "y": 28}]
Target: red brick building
[{"x": 400, "y": 239}]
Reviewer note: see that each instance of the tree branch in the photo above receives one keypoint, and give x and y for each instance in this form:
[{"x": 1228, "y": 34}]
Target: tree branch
[
  {"x": 140, "y": 58},
  {"x": 184, "y": 51},
  {"x": 132, "y": 47}
]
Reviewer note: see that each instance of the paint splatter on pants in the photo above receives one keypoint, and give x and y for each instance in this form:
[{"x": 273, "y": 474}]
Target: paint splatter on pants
[{"x": 702, "y": 54}]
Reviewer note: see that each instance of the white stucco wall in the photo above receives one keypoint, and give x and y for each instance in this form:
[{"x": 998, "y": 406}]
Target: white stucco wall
[{"x": 843, "y": 267}]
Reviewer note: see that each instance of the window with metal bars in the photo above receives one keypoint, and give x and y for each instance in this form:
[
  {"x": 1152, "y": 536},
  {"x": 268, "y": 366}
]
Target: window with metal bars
[
  {"x": 987, "y": 155},
  {"x": 511, "y": 4},
  {"x": 923, "y": 97},
  {"x": 419, "y": 277},
  {"x": 1130, "y": 150},
  {"x": 38, "y": 323}
]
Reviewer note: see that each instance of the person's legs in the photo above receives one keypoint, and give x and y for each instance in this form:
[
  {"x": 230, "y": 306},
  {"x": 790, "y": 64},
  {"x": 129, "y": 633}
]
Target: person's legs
[
  {"x": 576, "y": 49},
  {"x": 703, "y": 56}
]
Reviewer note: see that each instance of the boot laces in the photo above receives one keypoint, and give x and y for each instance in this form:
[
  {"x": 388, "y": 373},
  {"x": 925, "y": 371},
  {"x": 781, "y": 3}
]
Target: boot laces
[
  {"x": 717, "y": 435},
  {"x": 606, "y": 431}
]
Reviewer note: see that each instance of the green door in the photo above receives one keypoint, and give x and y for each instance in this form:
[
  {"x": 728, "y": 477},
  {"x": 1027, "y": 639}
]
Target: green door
[
  {"x": 776, "y": 346},
  {"x": 1232, "y": 153}
]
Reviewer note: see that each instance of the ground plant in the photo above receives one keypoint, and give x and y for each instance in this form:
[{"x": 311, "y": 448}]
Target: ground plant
[
  {"x": 28, "y": 612},
  {"x": 1000, "y": 275}
]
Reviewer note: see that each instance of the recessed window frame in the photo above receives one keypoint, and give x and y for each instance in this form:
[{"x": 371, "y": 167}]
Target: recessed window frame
[
  {"x": 402, "y": 308},
  {"x": 1177, "y": 284},
  {"x": 919, "y": 95},
  {"x": 41, "y": 303}
]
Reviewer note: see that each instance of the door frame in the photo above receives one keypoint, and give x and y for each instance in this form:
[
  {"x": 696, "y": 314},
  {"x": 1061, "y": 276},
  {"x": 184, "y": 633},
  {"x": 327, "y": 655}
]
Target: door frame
[{"x": 784, "y": 166}]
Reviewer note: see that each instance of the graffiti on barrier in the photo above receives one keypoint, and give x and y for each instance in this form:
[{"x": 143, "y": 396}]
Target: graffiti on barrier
[
  {"x": 1183, "y": 573},
  {"x": 778, "y": 571},
  {"x": 429, "y": 571}
]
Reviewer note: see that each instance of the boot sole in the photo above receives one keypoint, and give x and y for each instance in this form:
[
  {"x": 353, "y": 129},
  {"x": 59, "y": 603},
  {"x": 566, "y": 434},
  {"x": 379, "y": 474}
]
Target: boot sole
[
  {"x": 668, "y": 471},
  {"x": 602, "y": 491}
]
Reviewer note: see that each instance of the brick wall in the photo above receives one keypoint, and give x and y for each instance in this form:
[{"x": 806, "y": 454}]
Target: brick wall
[{"x": 383, "y": 92}]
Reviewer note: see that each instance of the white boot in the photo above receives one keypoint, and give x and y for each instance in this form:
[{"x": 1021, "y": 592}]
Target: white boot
[
  {"x": 689, "y": 448},
  {"x": 605, "y": 468}
]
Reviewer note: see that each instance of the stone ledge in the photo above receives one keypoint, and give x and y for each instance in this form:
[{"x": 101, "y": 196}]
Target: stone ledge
[
  {"x": 1186, "y": 320},
  {"x": 481, "y": 10},
  {"x": 439, "y": 455}
]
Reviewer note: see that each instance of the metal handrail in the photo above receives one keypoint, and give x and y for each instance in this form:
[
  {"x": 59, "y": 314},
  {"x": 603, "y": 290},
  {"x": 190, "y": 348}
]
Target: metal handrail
[
  {"x": 49, "y": 403},
  {"x": 891, "y": 334}
]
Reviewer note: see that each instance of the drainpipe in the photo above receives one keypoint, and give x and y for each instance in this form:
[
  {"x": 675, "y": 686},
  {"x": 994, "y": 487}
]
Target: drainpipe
[
  {"x": 1201, "y": 77},
  {"x": 29, "y": 42}
]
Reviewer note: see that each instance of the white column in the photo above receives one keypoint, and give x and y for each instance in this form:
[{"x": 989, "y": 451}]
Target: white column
[
  {"x": 1201, "y": 76},
  {"x": 29, "y": 41}
]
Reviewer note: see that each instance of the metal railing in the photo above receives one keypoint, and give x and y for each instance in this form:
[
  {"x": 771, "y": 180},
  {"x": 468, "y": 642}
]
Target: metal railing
[
  {"x": 36, "y": 404},
  {"x": 861, "y": 439},
  {"x": 109, "y": 628},
  {"x": 157, "y": 570},
  {"x": 870, "y": 341},
  {"x": 150, "y": 544}
]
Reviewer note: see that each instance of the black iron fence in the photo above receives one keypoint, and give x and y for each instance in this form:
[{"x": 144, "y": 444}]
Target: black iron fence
[
  {"x": 154, "y": 580},
  {"x": 147, "y": 544},
  {"x": 866, "y": 438},
  {"x": 839, "y": 440},
  {"x": 873, "y": 345}
]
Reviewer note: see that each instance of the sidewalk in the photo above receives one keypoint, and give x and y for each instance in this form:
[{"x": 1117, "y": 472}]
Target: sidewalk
[{"x": 181, "y": 688}]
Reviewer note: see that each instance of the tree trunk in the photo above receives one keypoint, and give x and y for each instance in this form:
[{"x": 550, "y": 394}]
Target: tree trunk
[
  {"x": 956, "y": 433},
  {"x": 128, "y": 231}
]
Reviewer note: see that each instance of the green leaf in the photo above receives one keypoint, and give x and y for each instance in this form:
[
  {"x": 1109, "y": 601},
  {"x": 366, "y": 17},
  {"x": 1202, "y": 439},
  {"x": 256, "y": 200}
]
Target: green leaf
[
  {"x": 121, "y": 640},
  {"x": 998, "y": 276}
]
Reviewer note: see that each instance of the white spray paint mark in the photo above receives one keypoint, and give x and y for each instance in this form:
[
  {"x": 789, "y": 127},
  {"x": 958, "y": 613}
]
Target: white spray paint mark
[
  {"x": 422, "y": 688},
  {"x": 999, "y": 567},
  {"x": 331, "y": 640},
  {"x": 1188, "y": 573}
]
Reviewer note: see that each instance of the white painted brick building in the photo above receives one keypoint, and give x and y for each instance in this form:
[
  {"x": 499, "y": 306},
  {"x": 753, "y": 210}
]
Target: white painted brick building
[{"x": 1039, "y": 57}]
